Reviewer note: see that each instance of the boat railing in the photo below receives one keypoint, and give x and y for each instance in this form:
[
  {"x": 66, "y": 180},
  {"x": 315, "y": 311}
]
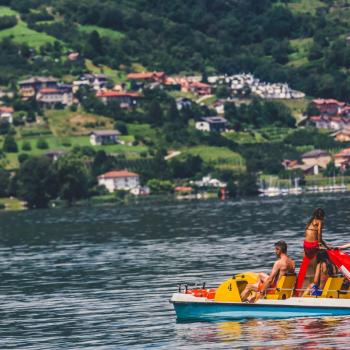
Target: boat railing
[
  {"x": 185, "y": 287},
  {"x": 188, "y": 286},
  {"x": 338, "y": 291}
]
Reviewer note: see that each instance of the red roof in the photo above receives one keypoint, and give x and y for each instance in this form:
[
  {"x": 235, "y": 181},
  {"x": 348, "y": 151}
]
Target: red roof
[
  {"x": 343, "y": 153},
  {"x": 321, "y": 101},
  {"x": 183, "y": 189},
  {"x": 117, "y": 173},
  {"x": 6, "y": 110},
  {"x": 117, "y": 94},
  {"x": 336, "y": 119},
  {"x": 49, "y": 91},
  {"x": 200, "y": 85},
  {"x": 316, "y": 118},
  {"x": 145, "y": 75},
  {"x": 330, "y": 101}
]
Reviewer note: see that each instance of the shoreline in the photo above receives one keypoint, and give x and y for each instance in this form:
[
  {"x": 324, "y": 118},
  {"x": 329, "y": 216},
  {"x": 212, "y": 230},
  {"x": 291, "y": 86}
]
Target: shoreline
[{"x": 14, "y": 204}]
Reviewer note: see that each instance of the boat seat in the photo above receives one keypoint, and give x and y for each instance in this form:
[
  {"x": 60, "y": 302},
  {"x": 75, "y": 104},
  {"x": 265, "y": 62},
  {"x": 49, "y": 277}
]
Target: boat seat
[
  {"x": 332, "y": 287},
  {"x": 284, "y": 288},
  {"x": 345, "y": 290}
]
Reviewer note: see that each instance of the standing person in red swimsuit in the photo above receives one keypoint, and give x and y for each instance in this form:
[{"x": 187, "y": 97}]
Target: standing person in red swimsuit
[
  {"x": 312, "y": 243},
  {"x": 313, "y": 234}
]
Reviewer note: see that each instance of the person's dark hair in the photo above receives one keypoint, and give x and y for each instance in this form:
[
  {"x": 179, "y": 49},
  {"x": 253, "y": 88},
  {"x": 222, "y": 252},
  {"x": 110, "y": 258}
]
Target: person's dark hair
[
  {"x": 318, "y": 214},
  {"x": 282, "y": 245},
  {"x": 322, "y": 257}
]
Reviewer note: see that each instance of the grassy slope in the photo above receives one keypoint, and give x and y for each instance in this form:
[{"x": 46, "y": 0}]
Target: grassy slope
[
  {"x": 301, "y": 49},
  {"x": 143, "y": 130},
  {"x": 7, "y": 11},
  {"x": 21, "y": 33},
  {"x": 305, "y": 6},
  {"x": 243, "y": 137},
  {"x": 116, "y": 75},
  {"x": 220, "y": 157},
  {"x": 65, "y": 123},
  {"x": 297, "y": 107},
  {"x": 66, "y": 144},
  {"x": 70, "y": 129},
  {"x": 109, "y": 33}
]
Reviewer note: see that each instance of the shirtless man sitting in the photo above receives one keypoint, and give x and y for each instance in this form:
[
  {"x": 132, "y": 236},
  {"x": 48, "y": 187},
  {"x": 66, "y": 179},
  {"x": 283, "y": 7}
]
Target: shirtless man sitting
[{"x": 281, "y": 267}]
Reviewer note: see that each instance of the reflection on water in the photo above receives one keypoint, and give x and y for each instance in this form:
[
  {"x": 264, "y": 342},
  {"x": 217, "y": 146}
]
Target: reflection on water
[
  {"x": 308, "y": 333},
  {"x": 101, "y": 278}
]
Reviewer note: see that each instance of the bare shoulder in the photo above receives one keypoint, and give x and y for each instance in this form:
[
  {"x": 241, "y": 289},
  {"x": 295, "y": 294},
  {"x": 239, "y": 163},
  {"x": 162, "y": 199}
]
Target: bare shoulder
[
  {"x": 291, "y": 262},
  {"x": 278, "y": 263}
]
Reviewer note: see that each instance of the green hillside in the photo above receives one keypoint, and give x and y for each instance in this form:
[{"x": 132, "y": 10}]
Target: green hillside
[
  {"x": 21, "y": 33},
  {"x": 298, "y": 41},
  {"x": 301, "y": 43}
]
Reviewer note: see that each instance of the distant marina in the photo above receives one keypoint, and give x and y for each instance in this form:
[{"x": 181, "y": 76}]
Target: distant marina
[{"x": 274, "y": 191}]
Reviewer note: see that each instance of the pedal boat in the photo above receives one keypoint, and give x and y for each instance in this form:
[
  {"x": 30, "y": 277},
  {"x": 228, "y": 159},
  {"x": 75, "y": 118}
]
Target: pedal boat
[{"x": 224, "y": 303}]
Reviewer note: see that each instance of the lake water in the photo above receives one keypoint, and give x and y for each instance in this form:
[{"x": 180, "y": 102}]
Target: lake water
[{"x": 101, "y": 278}]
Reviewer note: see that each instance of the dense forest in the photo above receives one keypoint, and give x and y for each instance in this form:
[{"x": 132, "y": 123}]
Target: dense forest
[{"x": 264, "y": 37}]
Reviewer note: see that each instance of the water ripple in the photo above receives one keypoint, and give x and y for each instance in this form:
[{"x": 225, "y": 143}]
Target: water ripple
[{"x": 101, "y": 278}]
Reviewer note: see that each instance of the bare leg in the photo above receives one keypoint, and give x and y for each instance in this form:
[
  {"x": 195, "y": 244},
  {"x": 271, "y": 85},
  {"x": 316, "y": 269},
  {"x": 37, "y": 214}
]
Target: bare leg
[
  {"x": 248, "y": 289},
  {"x": 263, "y": 277},
  {"x": 307, "y": 291}
]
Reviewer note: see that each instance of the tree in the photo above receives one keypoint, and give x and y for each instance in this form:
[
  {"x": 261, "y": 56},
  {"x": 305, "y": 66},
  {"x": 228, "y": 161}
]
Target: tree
[
  {"x": 42, "y": 144},
  {"x": 73, "y": 178},
  {"x": 231, "y": 188},
  {"x": 7, "y": 22},
  {"x": 22, "y": 157},
  {"x": 10, "y": 145},
  {"x": 5, "y": 128},
  {"x": 36, "y": 182},
  {"x": 155, "y": 113},
  {"x": 315, "y": 52},
  {"x": 311, "y": 110},
  {"x": 26, "y": 146},
  {"x": 102, "y": 163},
  {"x": 160, "y": 168},
  {"x": 31, "y": 118},
  {"x": 4, "y": 182},
  {"x": 96, "y": 42},
  {"x": 331, "y": 170},
  {"x": 222, "y": 91},
  {"x": 247, "y": 184},
  {"x": 173, "y": 115},
  {"x": 232, "y": 115},
  {"x": 121, "y": 127},
  {"x": 160, "y": 186},
  {"x": 186, "y": 168}
]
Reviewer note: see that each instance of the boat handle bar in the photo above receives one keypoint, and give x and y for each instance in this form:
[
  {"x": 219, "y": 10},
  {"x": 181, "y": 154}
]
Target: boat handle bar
[{"x": 301, "y": 290}]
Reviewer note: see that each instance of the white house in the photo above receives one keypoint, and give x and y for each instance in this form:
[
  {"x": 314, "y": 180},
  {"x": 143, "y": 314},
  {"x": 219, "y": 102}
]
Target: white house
[
  {"x": 104, "y": 137},
  {"x": 50, "y": 97},
  {"x": 212, "y": 124},
  {"x": 119, "y": 180},
  {"x": 6, "y": 114},
  {"x": 208, "y": 181},
  {"x": 95, "y": 81}
]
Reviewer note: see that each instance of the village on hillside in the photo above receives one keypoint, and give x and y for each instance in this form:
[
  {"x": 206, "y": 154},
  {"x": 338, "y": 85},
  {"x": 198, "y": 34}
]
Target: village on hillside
[{"x": 49, "y": 94}]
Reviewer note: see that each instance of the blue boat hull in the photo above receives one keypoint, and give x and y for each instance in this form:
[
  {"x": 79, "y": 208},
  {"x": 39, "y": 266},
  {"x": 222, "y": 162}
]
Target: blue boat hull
[{"x": 232, "y": 311}]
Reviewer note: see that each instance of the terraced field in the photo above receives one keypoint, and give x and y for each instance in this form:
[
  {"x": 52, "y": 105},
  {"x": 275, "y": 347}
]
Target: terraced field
[{"x": 219, "y": 157}]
